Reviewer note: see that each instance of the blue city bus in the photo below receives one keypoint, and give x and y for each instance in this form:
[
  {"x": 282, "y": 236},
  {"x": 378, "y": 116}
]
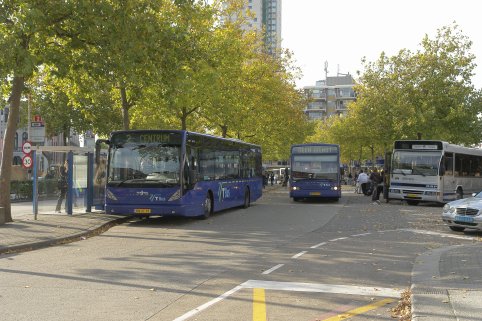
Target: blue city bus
[
  {"x": 179, "y": 173},
  {"x": 315, "y": 171}
]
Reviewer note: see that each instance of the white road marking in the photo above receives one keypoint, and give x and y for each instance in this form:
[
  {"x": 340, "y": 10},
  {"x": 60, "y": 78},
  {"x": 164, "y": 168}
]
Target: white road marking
[
  {"x": 322, "y": 288},
  {"x": 298, "y": 255},
  {"x": 318, "y": 245},
  {"x": 363, "y": 234},
  {"x": 274, "y": 268},
  {"x": 338, "y": 239},
  {"x": 208, "y": 304},
  {"x": 425, "y": 232},
  {"x": 296, "y": 287}
]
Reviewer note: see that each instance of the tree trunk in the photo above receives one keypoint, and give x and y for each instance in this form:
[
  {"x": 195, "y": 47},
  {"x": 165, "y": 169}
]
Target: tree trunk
[
  {"x": 125, "y": 108},
  {"x": 8, "y": 144},
  {"x": 224, "y": 130},
  {"x": 184, "y": 116}
]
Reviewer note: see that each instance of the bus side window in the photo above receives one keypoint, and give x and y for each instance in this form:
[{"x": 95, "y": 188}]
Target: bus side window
[{"x": 448, "y": 160}]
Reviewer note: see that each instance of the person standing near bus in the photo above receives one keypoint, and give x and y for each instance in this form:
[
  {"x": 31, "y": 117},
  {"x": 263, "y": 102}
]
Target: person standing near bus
[
  {"x": 376, "y": 179},
  {"x": 363, "y": 180},
  {"x": 62, "y": 186}
]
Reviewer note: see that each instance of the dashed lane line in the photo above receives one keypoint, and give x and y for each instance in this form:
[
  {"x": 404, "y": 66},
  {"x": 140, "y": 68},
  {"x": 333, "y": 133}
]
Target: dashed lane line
[
  {"x": 299, "y": 254},
  {"x": 274, "y": 268}
]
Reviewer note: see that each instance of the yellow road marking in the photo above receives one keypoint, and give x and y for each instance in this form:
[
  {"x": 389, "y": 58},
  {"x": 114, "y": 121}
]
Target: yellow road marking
[
  {"x": 360, "y": 310},
  {"x": 259, "y": 305}
]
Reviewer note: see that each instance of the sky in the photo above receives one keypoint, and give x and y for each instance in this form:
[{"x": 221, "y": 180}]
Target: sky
[{"x": 343, "y": 32}]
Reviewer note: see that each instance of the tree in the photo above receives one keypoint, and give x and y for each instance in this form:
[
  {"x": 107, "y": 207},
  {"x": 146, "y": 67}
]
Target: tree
[
  {"x": 428, "y": 92},
  {"x": 28, "y": 39}
]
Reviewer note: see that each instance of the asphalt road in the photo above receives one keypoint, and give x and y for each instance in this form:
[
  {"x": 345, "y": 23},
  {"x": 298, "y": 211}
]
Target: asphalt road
[{"x": 277, "y": 260}]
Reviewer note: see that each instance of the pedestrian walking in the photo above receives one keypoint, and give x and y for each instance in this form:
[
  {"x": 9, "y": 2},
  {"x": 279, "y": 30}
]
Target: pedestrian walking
[
  {"x": 62, "y": 187},
  {"x": 271, "y": 179}
]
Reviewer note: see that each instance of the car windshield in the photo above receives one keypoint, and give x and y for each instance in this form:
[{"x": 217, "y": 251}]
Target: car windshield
[
  {"x": 416, "y": 162},
  {"x": 315, "y": 166},
  {"x": 153, "y": 164}
]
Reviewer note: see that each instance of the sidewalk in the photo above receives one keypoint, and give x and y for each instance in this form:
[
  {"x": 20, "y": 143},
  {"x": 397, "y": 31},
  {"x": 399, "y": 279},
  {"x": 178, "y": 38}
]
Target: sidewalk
[{"x": 446, "y": 282}]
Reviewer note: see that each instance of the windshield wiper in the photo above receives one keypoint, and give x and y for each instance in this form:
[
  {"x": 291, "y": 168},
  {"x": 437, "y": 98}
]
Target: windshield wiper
[
  {"x": 417, "y": 171},
  {"x": 123, "y": 181}
]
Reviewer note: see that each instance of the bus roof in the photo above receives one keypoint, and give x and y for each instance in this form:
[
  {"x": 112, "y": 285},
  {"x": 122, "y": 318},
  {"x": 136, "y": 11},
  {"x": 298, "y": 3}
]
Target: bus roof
[
  {"x": 435, "y": 145},
  {"x": 180, "y": 132}
]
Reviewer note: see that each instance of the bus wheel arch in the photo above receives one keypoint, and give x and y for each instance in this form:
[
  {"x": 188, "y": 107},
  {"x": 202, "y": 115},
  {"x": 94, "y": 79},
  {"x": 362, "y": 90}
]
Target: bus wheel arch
[
  {"x": 459, "y": 193},
  {"x": 247, "y": 197}
]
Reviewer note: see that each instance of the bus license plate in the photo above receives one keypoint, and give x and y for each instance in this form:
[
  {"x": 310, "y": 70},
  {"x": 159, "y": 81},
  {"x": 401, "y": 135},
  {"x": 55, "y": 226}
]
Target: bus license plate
[
  {"x": 315, "y": 193},
  {"x": 412, "y": 195},
  {"x": 142, "y": 210},
  {"x": 465, "y": 219}
]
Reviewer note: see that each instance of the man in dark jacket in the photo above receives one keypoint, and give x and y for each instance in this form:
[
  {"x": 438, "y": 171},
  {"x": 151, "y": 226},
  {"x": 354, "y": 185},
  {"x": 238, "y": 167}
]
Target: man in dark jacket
[{"x": 376, "y": 179}]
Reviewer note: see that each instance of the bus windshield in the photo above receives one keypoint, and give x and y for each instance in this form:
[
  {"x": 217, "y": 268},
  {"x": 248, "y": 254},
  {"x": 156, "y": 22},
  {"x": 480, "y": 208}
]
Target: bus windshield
[
  {"x": 416, "y": 163},
  {"x": 315, "y": 166},
  {"x": 150, "y": 165}
]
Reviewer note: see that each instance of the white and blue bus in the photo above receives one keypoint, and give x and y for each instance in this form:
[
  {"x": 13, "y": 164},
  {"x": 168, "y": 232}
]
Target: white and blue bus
[
  {"x": 315, "y": 171},
  {"x": 179, "y": 173},
  {"x": 433, "y": 171}
]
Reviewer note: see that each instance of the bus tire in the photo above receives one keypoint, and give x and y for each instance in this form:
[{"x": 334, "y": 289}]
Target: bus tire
[
  {"x": 460, "y": 193},
  {"x": 412, "y": 202},
  {"x": 207, "y": 207},
  {"x": 247, "y": 198},
  {"x": 296, "y": 199}
]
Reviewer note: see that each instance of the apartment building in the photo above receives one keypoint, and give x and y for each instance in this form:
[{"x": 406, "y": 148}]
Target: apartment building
[{"x": 329, "y": 97}]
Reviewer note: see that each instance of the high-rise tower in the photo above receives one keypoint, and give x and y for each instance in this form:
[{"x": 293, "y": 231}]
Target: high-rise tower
[{"x": 267, "y": 16}]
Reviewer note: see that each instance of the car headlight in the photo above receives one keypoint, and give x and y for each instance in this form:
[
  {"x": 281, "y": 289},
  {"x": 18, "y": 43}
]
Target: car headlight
[
  {"x": 449, "y": 209},
  {"x": 335, "y": 188},
  {"x": 295, "y": 188}
]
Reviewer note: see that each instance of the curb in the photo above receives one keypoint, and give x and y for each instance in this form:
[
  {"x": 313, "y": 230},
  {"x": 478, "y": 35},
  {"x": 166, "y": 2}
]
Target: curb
[{"x": 31, "y": 246}]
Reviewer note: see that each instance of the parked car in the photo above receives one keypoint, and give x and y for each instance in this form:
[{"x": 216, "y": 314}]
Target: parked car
[{"x": 464, "y": 213}]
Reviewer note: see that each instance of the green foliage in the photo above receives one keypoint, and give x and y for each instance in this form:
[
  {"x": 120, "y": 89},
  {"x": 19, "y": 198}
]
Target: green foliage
[
  {"x": 103, "y": 66},
  {"x": 427, "y": 92},
  {"x": 22, "y": 189}
]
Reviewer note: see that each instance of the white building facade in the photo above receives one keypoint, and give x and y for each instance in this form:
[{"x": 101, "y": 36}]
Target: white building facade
[{"x": 329, "y": 97}]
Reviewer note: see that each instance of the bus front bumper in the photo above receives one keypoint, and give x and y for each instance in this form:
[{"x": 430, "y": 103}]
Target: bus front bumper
[{"x": 158, "y": 210}]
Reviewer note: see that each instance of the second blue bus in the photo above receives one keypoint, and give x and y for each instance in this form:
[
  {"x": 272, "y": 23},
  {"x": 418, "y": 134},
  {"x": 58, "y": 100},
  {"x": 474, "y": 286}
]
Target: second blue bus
[
  {"x": 315, "y": 171},
  {"x": 181, "y": 173}
]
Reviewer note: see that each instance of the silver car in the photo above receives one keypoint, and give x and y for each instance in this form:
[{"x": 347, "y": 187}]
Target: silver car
[{"x": 464, "y": 213}]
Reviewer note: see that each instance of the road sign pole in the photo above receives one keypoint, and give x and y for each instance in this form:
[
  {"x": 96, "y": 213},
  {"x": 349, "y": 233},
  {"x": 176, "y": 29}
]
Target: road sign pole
[{"x": 34, "y": 185}]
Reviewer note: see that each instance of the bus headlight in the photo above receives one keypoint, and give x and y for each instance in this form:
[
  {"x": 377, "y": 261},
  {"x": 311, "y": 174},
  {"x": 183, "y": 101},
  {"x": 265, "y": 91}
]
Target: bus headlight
[
  {"x": 395, "y": 191},
  {"x": 295, "y": 188},
  {"x": 335, "y": 188},
  {"x": 431, "y": 193},
  {"x": 110, "y": 195},
  {"x": 175, "y": 196}
]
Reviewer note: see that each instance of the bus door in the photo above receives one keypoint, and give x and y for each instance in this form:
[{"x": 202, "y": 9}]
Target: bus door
[
  {"x": 387, "y": 169},
  {"x": 100, "y": 179}
]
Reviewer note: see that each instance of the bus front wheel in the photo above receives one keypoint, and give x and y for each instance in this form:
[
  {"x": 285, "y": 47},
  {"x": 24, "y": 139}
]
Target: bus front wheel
[
  {"x": 247, "y": 199},
  {"x": 207, "y": 207}
]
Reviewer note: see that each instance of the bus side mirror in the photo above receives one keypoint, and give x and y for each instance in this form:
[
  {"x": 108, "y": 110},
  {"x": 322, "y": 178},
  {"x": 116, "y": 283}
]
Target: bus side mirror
[{"x": 98, "y": 144}]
